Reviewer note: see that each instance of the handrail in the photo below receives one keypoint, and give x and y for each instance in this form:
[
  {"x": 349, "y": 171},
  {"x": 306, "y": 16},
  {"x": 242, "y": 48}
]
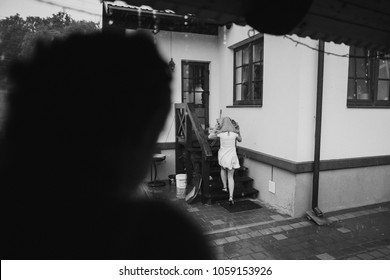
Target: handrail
[
  {"x": 186, "y": 122},
  {"x": 201, "y": 137},
  {"x": 180, "y": 113}
]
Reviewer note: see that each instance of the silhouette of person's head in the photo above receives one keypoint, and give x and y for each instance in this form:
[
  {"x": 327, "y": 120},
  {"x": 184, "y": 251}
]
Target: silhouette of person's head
[
  {"x": 83, "y": 117},
  {"x": 87, "y": 108}
]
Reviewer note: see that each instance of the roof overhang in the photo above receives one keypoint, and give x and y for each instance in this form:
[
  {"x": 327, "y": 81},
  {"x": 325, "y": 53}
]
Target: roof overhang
[
  {"x": 127, "y": 16},
  {"x": 363, "y": 23}
]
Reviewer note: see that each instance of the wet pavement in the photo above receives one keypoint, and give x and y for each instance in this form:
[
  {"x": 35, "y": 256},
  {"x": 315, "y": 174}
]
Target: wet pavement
[{"x": 361, "y": 233}]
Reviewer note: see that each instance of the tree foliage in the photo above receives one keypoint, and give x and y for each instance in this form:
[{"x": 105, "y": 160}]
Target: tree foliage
[{"x": 19, "y": 36}]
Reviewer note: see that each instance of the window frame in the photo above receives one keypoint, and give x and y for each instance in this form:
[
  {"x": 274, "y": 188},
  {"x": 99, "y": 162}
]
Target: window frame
[
  {"x": 251, "y": 102},
  {"x": 372, "y": 72},
  {"x": 193, "y": 80}
]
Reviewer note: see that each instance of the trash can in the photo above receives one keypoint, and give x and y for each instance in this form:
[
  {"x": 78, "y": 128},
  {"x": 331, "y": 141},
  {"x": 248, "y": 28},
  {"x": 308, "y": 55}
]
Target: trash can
[{"x": 181, "y": 185}]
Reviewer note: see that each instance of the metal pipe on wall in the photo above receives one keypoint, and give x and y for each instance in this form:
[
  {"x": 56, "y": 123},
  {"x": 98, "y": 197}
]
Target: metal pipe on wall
[{"x": 317, "y": 139}]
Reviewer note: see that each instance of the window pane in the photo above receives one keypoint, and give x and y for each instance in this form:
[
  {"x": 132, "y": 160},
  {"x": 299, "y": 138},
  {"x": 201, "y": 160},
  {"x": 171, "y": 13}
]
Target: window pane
[
  {"x": 362, "y": 90},
  {"x": 256, "y": 52},
  {"x": 257, "y": 90},
  {"x": 186, "y": 71},
  {"x": 239, "y": 58},
  {"x": 188, "y": 97},
  {"x": 383, "y": 90},
  {"x": 245, "y": 74},
  {"x": 361, "y": 68},
  {"x": 351, "y": 89},
  {"x": 245, "y": 56},
  {"x": 245, "y": 91},
  {"x": 238, "y": 92},
  {"x": 257, "y": 72},
  {"x": 198, "y": 97},
  {"x": 238, "y": 75},
  {"x": 384, "y": 69},
  {"x": 186, "y": 84},
  {"x": 351, "y": 68}
]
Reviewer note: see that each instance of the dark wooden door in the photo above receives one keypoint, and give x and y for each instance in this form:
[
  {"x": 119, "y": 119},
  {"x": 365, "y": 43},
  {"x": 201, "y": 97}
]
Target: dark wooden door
[{"x": 195, "y": 88}]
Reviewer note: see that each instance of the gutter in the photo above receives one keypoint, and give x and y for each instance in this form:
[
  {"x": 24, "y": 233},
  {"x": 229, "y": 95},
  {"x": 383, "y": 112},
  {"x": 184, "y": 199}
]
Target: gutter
[
  {"x": 317, "y": 137},
  {"x": 316, "y": 214}
]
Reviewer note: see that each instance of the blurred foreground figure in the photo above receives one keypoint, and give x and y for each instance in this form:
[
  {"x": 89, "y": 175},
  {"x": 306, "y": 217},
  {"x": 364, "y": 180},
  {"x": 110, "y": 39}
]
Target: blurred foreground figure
[{"x": 83, "y": 117}]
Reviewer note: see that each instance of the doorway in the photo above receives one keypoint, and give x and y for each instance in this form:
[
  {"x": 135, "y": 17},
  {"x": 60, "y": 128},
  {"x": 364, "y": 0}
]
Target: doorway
[{"x": 195, "y": 88}]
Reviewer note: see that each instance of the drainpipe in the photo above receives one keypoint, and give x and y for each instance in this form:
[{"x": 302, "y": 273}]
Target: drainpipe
[{"x": 317, "y": 139}]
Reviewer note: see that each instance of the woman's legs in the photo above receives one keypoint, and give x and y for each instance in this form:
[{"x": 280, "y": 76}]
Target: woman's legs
[
  {"x": 231, "y": 184},
  {"x": 224, "y": 178}
]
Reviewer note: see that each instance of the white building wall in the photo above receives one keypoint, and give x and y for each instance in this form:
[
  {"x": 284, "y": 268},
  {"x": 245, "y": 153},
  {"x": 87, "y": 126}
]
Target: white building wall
[
  {"x": 307, "y": 96},
  {"x": 290, "y": 74},
  {"x": 227, "y": 37},
  {"x": 349, "y": 132},
  {"x": 348, "y": 188},
  {"x": 284, "y": 126},
  {"x": 187, "y": 46},
  {"x": 283, "y": 199}
]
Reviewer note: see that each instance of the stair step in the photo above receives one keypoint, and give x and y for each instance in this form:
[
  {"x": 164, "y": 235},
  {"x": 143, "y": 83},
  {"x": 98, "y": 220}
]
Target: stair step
[
  {"x": 243, "y": 184},
  {"x": 214, "y": 158},
  {"x": 217, "y": 169},
  {"x": 239, "y": 181}
]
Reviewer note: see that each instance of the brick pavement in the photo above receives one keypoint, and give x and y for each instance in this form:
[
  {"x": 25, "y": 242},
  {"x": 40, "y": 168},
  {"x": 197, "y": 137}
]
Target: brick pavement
[{"x": 264, "y": 234}]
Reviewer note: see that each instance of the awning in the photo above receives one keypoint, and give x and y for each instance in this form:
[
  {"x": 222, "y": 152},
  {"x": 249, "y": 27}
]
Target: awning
[{"x": 362, "y": 23}]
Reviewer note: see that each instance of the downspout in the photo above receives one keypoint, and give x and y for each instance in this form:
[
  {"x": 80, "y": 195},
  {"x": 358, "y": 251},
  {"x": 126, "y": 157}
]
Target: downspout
[{"x": 317, "y": 138}]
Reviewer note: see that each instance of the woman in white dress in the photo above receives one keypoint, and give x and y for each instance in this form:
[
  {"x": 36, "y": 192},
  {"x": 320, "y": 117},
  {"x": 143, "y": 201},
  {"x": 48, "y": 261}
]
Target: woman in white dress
[{"x": 228, "y": 131}]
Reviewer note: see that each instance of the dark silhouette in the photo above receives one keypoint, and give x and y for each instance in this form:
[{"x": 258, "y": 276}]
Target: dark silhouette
[{"x": 83, "y": 117}]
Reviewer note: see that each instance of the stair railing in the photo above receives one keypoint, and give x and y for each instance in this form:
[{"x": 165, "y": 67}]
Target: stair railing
[{"x": 187, "y": 122}]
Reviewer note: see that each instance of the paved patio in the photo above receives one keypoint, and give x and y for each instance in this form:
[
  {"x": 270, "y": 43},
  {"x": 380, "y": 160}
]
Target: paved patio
[{"x": 264, "y": 234}]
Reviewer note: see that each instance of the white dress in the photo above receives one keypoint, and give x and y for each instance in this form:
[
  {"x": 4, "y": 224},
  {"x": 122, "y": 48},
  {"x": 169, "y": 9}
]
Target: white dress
[{"x": 227, "y": 154}]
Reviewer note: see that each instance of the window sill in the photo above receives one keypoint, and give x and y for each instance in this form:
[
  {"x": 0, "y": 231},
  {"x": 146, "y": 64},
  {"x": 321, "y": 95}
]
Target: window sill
[
  {"x": 354, "y": 106},
  {"x": 245, "y": 106}
]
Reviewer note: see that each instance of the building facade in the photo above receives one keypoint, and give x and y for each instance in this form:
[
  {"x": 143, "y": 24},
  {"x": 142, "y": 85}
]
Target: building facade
[
  {"x": 278, "y": 133},
  {"x": 269, "y": 85}
]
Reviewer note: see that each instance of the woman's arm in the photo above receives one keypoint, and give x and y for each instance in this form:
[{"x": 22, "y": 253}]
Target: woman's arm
[
  {"x": 212, "y": 135},
  {"x": 239, "y": 138}
]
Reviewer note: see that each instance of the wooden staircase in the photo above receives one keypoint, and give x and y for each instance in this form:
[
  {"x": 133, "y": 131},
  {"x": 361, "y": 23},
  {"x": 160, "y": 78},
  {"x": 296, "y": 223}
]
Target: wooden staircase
[{"x": 196, "y": 155}]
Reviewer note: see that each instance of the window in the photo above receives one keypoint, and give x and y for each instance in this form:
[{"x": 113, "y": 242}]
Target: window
[
  {"x": 195, "y": 88},
  {"x": 368, "y": 79},
  {"x": 248, "y": 73},
  {"x": 195, "y": 82}
]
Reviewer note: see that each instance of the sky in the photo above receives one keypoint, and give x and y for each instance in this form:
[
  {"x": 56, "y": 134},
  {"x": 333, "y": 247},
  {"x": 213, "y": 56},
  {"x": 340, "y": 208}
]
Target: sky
[{"x": 45, "y": 8}]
